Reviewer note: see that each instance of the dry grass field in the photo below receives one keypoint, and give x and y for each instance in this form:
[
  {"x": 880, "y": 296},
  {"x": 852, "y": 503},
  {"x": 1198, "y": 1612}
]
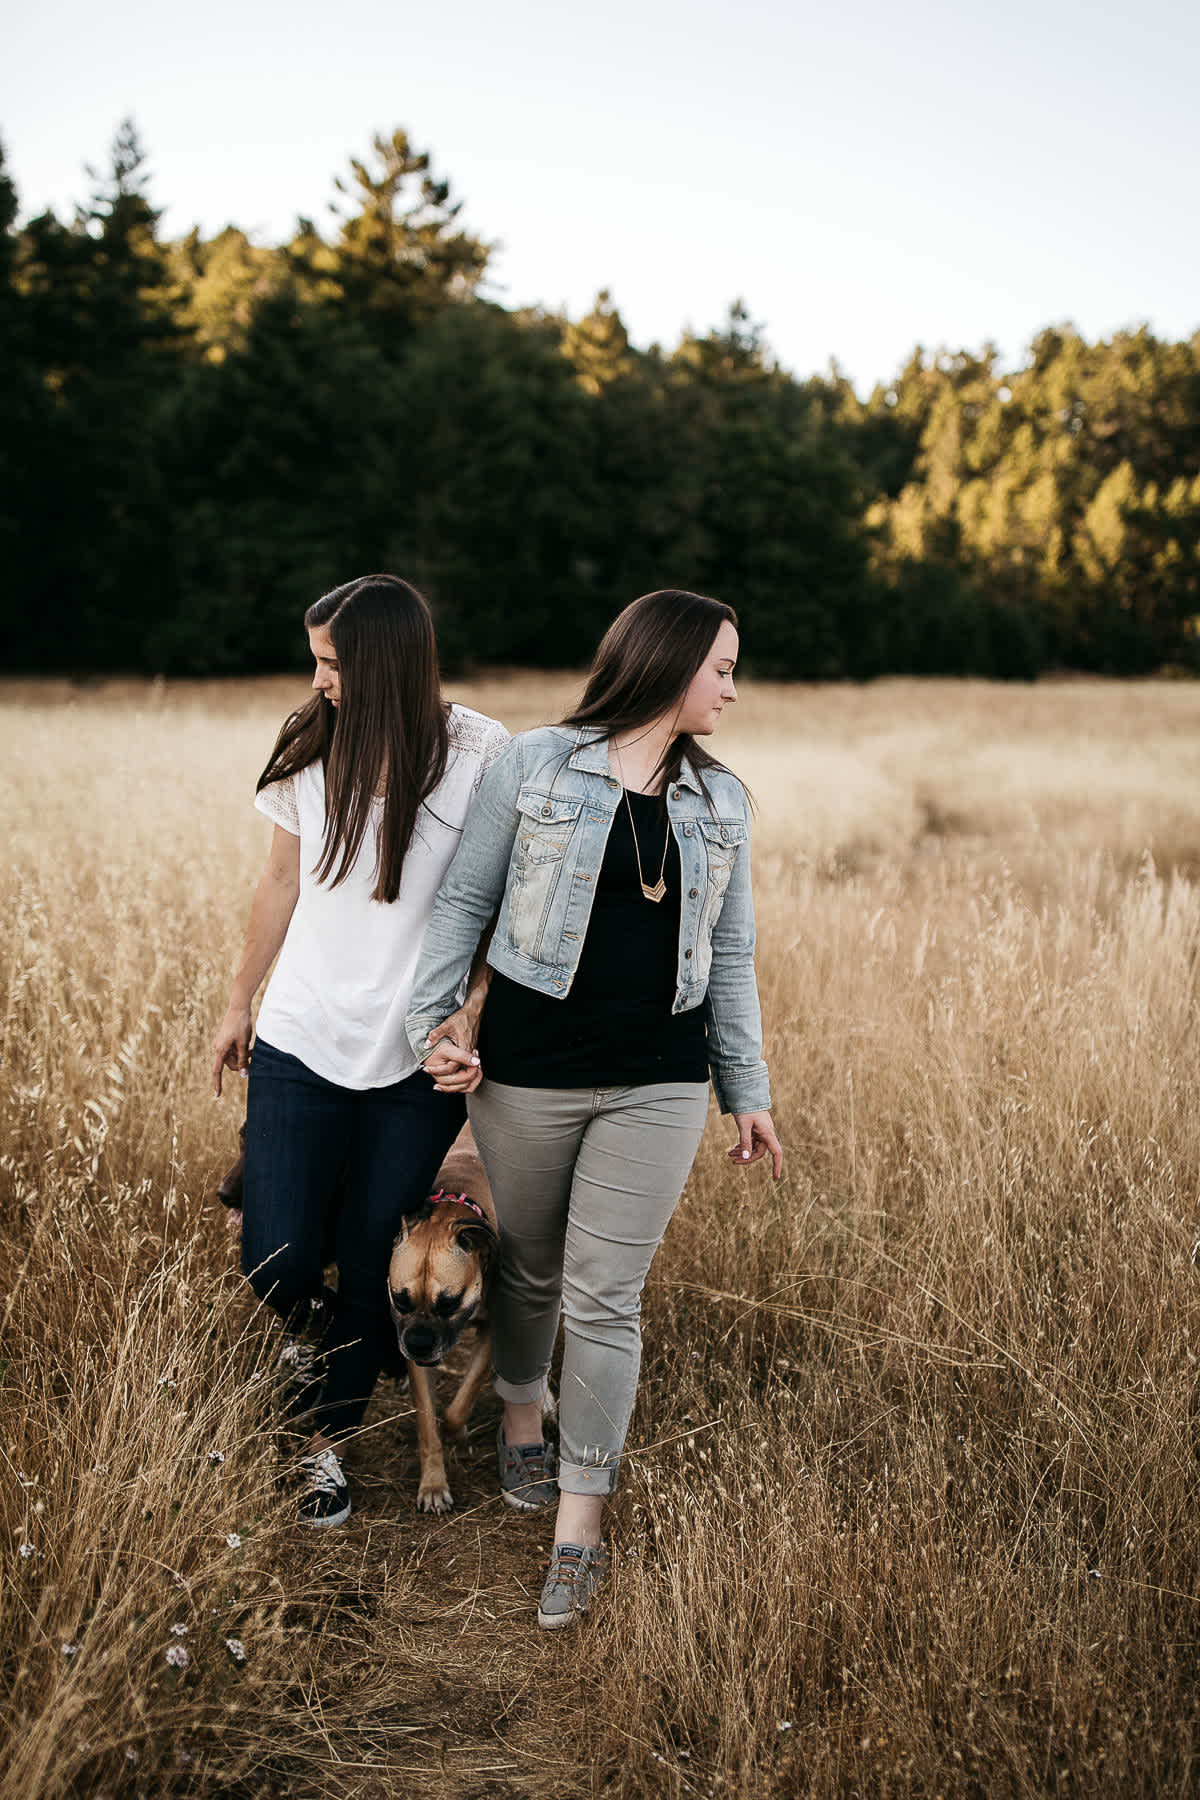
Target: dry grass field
[{"x": 912, "y": 1508}]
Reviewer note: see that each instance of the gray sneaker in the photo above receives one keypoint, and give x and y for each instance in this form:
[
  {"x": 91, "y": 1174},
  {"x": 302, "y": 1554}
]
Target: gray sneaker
[
  {"x": 528, "y": 1473},
  {"x": 575, "y": 1571}
]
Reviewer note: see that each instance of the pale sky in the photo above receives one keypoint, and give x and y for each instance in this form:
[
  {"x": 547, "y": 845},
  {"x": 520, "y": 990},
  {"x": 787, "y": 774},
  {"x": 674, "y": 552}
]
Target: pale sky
[{"x": 867, "y": 175}]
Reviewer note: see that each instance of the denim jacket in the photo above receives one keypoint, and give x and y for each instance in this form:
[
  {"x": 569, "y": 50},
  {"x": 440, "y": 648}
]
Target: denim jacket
[{"x": 533, "y": 845}]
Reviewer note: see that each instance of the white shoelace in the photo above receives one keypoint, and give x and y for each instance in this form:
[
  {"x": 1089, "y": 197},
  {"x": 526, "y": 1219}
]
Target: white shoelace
[
  {"x": 299, "y": 1357},
  {"x": 325, "y": 1472}
]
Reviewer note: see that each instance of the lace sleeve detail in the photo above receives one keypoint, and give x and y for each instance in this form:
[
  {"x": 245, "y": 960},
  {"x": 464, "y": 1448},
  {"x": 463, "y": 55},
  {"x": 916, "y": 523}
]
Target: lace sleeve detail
[
  {"x": 475, "y": 735},
  {"x": 278, "y": 803}
]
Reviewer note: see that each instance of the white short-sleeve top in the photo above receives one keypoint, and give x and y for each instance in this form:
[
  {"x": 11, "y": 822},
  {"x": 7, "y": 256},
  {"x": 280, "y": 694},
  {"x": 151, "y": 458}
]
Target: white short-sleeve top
[{"x": 341, "y": 987}]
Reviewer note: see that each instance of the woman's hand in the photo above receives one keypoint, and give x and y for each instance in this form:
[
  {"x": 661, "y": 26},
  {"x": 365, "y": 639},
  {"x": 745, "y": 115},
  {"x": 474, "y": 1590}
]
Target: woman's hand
[
  {"x": 231, "y": 1046},
  {"x": 454, "y": 1065},
  {"x": 756, "y": 1139}
]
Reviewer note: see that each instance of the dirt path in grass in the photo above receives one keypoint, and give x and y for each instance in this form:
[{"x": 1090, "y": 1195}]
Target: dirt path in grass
[{"x": 425, "y": 1660}]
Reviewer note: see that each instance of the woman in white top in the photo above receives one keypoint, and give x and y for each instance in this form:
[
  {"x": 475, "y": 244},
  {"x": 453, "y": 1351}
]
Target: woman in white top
[{"x": 368, "y": 786}]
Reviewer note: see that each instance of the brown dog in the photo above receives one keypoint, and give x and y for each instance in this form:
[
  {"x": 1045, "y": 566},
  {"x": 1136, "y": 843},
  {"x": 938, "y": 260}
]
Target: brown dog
[
  {"x": 440, "y": 1268},
  {"x": 438, "y": 1277}
]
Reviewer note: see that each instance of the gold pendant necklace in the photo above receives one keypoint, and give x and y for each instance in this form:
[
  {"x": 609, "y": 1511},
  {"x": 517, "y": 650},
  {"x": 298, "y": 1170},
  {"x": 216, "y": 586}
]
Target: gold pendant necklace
[
  {"x": 660, "y": 887},
  {"x": 658, "y": 891}
]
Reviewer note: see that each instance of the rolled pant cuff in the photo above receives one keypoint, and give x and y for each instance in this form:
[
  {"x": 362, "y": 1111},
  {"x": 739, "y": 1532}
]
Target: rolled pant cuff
[
  {"x": 588, "y": 1478},
  {"x": 522, "y": 1393}
]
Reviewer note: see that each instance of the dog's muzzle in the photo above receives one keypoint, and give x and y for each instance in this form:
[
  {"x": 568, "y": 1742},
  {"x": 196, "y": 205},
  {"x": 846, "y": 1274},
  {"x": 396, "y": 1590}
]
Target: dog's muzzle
[{"x": 422, "y": 1344}]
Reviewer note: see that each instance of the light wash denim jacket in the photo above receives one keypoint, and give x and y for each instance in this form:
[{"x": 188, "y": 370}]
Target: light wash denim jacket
[{"x": 533, "y": 844}]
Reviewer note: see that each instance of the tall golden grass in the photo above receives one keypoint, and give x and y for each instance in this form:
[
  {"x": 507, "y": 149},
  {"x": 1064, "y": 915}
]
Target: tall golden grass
[{"x": 911, "y": 1507}]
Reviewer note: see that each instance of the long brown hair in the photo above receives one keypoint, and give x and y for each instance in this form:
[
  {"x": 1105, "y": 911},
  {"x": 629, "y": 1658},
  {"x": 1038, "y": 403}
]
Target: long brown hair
[
  {"x": 645, "y": 665},
  {"x": 390, "y": 718}
]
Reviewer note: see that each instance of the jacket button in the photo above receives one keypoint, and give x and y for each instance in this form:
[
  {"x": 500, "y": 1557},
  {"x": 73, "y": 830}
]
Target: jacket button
[
  {"x": 693, "y": 893},
  {"x": 678, "y": 794},
  {"x": 686, "y": 955},
  {"x": 545, "y": 812}
]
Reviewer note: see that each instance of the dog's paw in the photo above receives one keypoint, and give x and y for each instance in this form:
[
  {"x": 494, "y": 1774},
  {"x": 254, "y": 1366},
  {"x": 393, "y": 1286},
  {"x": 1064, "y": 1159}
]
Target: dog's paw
[{"x": 435, "y": 1497}]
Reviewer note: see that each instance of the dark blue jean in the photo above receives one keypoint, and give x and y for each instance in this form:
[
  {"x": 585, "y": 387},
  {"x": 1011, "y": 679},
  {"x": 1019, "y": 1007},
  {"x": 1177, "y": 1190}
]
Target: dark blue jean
[{"x": 333, "y": 1170}]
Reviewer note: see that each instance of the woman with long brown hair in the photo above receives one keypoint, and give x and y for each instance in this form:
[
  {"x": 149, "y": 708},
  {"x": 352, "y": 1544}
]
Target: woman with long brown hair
[
  {"x": 368, "y": 788},
  {"x": 617, "y": 851}
]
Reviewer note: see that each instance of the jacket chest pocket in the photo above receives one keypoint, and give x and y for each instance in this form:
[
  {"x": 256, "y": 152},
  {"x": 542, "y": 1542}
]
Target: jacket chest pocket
[
  {"x": 545, "y": 829},
  {"x": 545, "y": 826},
  {"x": 722, "y": 839}
]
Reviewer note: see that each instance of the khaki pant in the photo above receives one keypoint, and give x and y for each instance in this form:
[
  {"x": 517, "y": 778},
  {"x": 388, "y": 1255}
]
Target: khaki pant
[{"x": 585, "y": 1181}]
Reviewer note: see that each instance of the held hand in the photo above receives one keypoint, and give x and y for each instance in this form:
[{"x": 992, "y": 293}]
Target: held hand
[
  {"x": 756, "y": 1139},
  {"x": 454, "y": 1065},
  {"x": 231, "y": 1046}
]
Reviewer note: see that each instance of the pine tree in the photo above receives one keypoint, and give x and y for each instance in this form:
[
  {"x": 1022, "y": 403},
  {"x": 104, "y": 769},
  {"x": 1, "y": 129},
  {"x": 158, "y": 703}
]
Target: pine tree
[
  {"x": 106, "y": 341},
  {"x": 221, "y": 281},
  {"x": 27, "y": 516},
  {"x": 598, "y": 346},
  {"x": 400, "y": 254}
]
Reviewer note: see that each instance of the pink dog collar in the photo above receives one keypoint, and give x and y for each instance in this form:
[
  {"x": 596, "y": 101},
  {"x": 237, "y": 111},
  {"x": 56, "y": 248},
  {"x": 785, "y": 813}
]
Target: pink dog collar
[{"x": 442, "y": 1198}]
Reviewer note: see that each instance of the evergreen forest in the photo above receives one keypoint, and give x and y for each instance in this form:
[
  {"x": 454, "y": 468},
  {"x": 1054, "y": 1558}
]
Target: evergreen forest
[{"x": 199, "y": 436}]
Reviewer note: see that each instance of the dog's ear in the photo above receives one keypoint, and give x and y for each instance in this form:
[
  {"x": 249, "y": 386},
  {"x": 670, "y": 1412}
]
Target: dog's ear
[
  {"x": 409, "y": 1222},
  {"x": 229, "y": 1188},
  {"x": 477, "y": 1237}
]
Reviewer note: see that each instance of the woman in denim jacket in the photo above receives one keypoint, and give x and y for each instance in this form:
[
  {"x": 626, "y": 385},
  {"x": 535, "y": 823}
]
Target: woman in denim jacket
[{"x": 613, "y": 853}]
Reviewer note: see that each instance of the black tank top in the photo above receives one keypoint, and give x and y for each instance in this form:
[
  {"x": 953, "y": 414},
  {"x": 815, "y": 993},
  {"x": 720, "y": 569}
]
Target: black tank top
[{"x": 615, "y": 1027}]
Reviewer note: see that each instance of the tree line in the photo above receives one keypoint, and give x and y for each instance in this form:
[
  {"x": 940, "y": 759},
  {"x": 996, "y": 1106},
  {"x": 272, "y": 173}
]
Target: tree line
[{"x": 199, "y": 436}]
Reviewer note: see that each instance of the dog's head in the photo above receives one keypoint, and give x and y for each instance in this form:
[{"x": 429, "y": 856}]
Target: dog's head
[{"x": 438, "y": 1277}]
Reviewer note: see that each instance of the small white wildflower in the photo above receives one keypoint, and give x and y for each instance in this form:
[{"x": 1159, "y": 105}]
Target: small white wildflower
[
  {"x": 233, "y": 1540},
  {"x": 179, "y": 1631},
  {"x": 785, "y": 1724},
  {"x": 236, "y": 1649},
  {"x": 166, "y": 1381},
  {"x": 1095, "y": 1574},
  {"x": 217, "y": 1457},
  {"x": 25, "y": 1551},
  {"x": 70, "y": 1649},
  {"x": 177, "y": 1656},
  {"x": 131, "y": 1756}
]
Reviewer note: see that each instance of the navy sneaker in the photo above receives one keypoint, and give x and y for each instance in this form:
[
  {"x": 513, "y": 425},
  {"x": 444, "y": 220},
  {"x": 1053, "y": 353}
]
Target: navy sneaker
[{"x": 326, "y": 1498}]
